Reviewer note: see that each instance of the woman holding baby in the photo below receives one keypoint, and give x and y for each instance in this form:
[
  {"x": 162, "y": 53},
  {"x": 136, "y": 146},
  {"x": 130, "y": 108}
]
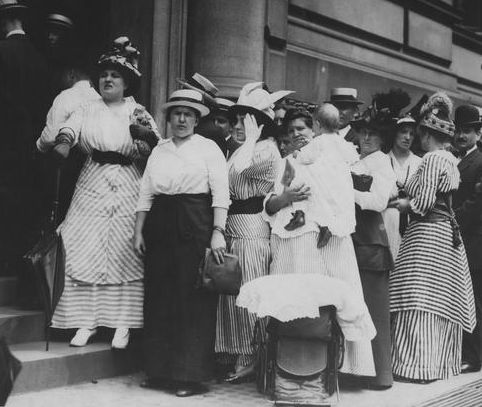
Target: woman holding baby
[{"x": 304, "y": 240}]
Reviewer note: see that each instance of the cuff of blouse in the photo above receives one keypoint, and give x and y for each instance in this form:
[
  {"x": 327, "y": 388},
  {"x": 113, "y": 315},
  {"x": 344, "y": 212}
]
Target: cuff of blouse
[{"x": 65, "y": 136}]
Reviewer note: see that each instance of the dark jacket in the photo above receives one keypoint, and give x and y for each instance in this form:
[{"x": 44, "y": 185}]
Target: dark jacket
[
  {"x": 23, "y": 102},
  {"x": 468, "y": 214}
]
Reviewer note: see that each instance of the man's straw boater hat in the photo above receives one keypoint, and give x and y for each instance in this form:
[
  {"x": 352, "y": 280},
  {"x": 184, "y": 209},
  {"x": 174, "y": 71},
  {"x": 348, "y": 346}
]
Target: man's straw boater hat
[
  {"x": 186, "y": 98},
  {"x": 60, "y": 20},
  {"x": 12, "y": 7},
  {"x": 344, "y": 95}
]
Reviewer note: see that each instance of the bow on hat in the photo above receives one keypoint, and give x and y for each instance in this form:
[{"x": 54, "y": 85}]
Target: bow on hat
[
  {"x": 253, "y": 95},
  {"x": 122, "y": 53}
]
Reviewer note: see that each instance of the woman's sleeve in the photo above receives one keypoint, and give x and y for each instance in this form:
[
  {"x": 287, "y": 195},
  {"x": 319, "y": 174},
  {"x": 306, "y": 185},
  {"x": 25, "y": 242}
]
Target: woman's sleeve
[
  {"x": 265, "y": 162},
  {"x": 428, "y": 176},
  {"x": 383, "y": 182},
  {"x": 217, "y": 176},
  {"x": 72, "y": 126},
  {"x": 146, "y": 192}
]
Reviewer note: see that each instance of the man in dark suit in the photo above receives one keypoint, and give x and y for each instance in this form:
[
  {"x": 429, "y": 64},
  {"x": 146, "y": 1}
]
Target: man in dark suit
[
  {"x": 468, "y": 124},
  {"x": 23, "y": 106}
]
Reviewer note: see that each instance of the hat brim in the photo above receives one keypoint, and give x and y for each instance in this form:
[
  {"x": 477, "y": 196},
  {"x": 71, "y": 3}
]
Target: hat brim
[
  {"x": 203, "y": 110},
  {"x": 13, "y": 8},
  {"x": 260, "y": 117},
  {"x": 475, "y": 123},
  {"x": 346, "y": 101}
]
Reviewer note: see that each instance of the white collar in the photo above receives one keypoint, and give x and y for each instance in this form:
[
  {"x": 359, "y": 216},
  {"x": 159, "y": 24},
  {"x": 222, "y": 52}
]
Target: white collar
[
  {"x": 344, "y": 131},
  {"x": 17, "y": 31},
  {"x": 472, "y": 149}
]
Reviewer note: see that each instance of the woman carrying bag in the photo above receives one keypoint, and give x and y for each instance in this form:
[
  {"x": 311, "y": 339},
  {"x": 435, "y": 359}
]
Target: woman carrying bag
[{"x": 181, "y": 211}]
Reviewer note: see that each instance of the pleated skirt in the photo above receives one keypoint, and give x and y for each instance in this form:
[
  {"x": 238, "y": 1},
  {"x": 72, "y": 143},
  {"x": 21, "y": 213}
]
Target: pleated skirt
[
  {"x": 248, "y": 238},
  {"x": 88, "y": 306},
  {"x": 425, "y": 346},
  {"x": 337, "y": 259}
]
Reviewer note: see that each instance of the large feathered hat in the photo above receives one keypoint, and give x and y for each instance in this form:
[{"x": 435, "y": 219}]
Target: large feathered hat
[
  {"x": 125, "y": 57},
  {"x": 255, "y": 100},
  {"x": 384, "y": 111},
  {"x": 435, "y": 115}
]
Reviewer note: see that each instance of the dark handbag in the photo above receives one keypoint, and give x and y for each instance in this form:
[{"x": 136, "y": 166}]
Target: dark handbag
[
  {"x": 362, "y": 182},
  {"x": 224, "y": 278}
]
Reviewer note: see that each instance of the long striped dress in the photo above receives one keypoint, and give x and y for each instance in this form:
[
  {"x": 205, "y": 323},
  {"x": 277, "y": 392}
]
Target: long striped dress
[
  {"x": 247, "y": 237},
  {"x": 431, "y": 298},
  {"x": 104, "y": 277},
  {"x": 297, "y": 252}
]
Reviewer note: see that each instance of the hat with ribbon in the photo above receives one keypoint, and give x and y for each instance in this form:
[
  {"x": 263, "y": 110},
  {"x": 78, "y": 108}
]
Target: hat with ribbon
[
  {"x": 223, "y": 104},
  {"x": 255, "y": 100},
  {"x": 125, "y": 57},
  {"x": 435, "y": 115},
  {"x": 203, "y": 85},
  {"x": 186, "y": 98},
  {"x": 8, "y": 7},
  {"x": 60, "y": 20},
  {"x": 467, "y": 115},
  {"x": 344, "y": 95}
]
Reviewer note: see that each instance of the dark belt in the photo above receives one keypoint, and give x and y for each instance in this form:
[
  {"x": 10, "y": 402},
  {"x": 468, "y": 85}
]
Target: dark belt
[
  {"x": 110, "y": 157},
  {"x": 441, "y": 215},
  {"x": 246, "y": 206}
]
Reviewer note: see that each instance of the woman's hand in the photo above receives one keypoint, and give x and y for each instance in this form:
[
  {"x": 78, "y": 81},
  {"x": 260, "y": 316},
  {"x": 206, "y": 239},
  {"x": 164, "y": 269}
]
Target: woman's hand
[
  {"x": 61, "y": 151},
  {"x": 139, "y": 244},
  {"x": 251, "y": 129},
  {"x": 218, "y": 246},
  {"x": 403, "y": 205},
  {"x": 296, "y": 194}
]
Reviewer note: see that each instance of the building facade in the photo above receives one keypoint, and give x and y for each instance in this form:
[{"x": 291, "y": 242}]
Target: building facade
[{"x": 304, "y": 45}]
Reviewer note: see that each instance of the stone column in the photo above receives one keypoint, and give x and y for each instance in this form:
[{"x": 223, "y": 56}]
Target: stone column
[{"x": 225, "y": 42}]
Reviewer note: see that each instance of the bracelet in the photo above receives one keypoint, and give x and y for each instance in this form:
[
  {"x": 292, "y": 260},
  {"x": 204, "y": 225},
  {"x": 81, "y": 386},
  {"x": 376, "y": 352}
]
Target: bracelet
[{"x": 220, "y": 230}]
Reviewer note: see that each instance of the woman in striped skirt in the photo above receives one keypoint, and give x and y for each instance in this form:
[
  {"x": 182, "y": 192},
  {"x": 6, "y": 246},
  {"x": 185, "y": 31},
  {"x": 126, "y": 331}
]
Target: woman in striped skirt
[
  {"x": 431, "y": 298},
  {"x": 104, "y": 277},
  {"x": 313, "y": 247},
  {"x": 251, "y": 176}
]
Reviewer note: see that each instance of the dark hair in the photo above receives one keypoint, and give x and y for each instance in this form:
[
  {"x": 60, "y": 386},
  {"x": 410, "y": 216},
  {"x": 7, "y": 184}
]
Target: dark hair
[
  {"x": 269, "y": 127},
  {"x": 293, "y": 114}
]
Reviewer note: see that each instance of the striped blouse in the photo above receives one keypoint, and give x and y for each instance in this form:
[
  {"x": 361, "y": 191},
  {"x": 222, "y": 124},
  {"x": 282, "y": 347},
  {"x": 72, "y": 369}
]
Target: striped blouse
[
  {"x": 259, "y": 177},
  {"x": 437, "y": 173}
]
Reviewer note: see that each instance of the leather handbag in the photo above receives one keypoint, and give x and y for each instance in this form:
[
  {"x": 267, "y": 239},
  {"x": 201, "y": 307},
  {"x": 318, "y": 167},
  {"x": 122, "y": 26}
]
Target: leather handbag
[
  {"x": 224, "y": 278},
  {"x": 362, "y": 182}
]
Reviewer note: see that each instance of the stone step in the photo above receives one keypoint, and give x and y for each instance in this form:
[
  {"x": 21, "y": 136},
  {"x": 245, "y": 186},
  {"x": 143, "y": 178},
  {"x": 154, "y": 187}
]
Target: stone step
[
  {"x": 63, "y": 365},
  {"x": 8, "y": 290},
  {"x": 18, "y": 325}
]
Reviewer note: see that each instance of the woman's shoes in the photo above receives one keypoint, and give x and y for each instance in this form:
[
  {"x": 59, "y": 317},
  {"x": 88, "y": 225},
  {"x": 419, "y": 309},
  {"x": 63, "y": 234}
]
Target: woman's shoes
[
  {"x": 121, "y": 338},
  {"x": 245, "y": 375},
  {"x": 82, "y": 336},
  {"x": 190, "y": 389}
]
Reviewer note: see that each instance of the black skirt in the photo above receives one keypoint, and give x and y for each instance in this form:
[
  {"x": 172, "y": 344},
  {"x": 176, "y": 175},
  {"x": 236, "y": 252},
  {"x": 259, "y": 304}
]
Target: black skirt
[{"x": 179, "y": 318}]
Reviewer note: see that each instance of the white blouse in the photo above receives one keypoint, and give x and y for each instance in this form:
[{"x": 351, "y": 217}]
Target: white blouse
[
  {"x": 378, "y": 166},
  {"x": 195, "y": 167},
  {"x": 404, "y": 171}
]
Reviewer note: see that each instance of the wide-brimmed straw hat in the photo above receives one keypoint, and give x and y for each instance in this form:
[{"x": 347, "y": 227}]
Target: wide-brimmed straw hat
[
  {"x": 223, "y": 104},
  {"x": 8, "y": 7},
  {"x": 60, "y": 20},
  {"x": 203, "y": 85},
  {"x": 124, "y": 57},
  {"x": 255, "y": 100},
  {"x": 187, "y": 98},
  {"x": 344, "y": 95}
]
